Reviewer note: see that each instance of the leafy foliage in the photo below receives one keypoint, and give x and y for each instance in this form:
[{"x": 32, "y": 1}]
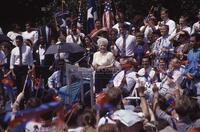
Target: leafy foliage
[{"x": 130, "y": 7}]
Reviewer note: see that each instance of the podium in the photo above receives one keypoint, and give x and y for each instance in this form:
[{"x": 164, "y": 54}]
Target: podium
[{"x": 76, "y": 77}]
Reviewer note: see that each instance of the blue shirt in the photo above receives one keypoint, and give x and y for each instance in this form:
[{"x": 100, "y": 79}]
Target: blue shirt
[
  {"x": 194, "y": 63},
  {"x": 139, "y": 52},
  {"x": 54, "y": 81}
]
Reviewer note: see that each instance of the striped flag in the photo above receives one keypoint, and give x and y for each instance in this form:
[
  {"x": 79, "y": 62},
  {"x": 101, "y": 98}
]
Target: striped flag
[
  {"x": 108, "y": 17},
  {"x": 91, "y": 15}
]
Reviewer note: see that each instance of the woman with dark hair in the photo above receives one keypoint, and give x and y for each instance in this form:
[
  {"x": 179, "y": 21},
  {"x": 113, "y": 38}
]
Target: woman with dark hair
[{"x": 90, "y": 49}]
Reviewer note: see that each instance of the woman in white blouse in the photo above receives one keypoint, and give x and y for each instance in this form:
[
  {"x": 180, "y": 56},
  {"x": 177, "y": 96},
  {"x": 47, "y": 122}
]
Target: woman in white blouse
[{"x": 103, "y": 62}]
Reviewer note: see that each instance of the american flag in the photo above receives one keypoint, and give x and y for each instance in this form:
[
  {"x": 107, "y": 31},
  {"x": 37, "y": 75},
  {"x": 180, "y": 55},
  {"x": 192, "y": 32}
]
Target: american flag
[
  {"x": 91, "y": 15},
  {"x": 108, "y": 17}
]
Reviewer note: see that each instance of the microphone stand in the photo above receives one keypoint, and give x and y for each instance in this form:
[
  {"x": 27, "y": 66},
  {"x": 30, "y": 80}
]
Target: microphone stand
[{"x": 84, "y": 56}]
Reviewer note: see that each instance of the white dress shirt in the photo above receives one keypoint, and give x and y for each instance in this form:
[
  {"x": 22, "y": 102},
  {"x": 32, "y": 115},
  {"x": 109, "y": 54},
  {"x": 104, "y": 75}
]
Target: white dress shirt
[
  {"x": 27, "y": 56},
  {"x": 62, "y": 56},
  {"x": 148, "y": 77},
  {"x": 149, "y": 71},
  {"x": 12, "y": 35},
  {"x": 187, "y": 28},
  {"x": 33, "y": 36},
  {"x": 171, "y": 24},
  {"x": 69, "y": 38},
  {"x": 116, "y": 26},
  {"x": 195, "y": 27},
  {"x": 147, "y": 30},
  {"x": 3, "y": 59},
  {"x": 163, "y": 42},
  {"x": 130, "y": 79},
  {"x": 54, "y": 80},
  {"x": 176, "y": 74},
  {"x": 129, "y": 47},
  {"x": 41, "y": 54}
]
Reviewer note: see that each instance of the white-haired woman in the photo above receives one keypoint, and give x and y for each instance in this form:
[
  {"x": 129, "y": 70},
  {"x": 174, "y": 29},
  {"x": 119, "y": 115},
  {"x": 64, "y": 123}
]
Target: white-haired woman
[{"x": 103, "y": 62}]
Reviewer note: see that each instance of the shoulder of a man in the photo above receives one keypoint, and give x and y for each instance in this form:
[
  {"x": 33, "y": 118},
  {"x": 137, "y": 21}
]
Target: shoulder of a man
[
  {"x": 196, "y": 24},
  {"x": 131, "y": 37},
  {"x": 118, "y": 39},
  {"x": 27, "y": 47},
  {"x": 171, "y": 21},
  {"x": 13, "y": 50},
  {"x": 82, "y": 34}
]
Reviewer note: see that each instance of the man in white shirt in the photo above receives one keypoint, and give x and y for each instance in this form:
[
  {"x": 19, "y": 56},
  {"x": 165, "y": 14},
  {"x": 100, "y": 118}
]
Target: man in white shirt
[
  {"x": 39, "y": 59},
  {"x": 30, "y": 34},
  {"x": 147, "y": 73},
  {"x": 58, "y": 78},
  {"x": 3, "y": 59},
  {"x": 75, "y": 36},
  {"x": 14, "y": 32},
  {"x": 196, "y": 26},
  {"x": 149, "y": 26},
  {"x": 125, "y": 43},
  {"x": 182, "y": 26},
  {"x": 166, "y": 21},
  {"x": 120, "y": 19},
  {"x": 58, "y": 56},
  {"x": 125, "y": 79},
  {"x": 21, "y": 62},
  {"x": 163, "y": 48}
]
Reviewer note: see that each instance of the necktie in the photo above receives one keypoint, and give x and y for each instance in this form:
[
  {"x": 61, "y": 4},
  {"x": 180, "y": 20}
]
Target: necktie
[
  {"x": 123, "y": 53},
  {"x": 125, "y": 83},
  {"x": 49, "y": 36},
  {"x": 20, "y": 55},
  {"x": 146, "y": 73}
]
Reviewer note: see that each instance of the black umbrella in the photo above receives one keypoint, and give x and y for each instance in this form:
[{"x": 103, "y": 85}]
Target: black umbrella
[
  {"x": 4, "y": 38},
  {"x": 64, "y": 48}
]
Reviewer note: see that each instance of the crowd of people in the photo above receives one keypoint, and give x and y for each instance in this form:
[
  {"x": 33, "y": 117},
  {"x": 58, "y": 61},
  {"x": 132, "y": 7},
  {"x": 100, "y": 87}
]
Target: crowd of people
[{"x": 146, "y": 78}]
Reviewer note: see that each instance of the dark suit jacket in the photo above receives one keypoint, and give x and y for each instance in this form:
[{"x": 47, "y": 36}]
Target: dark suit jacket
[
  {"x": 52, "y": 34},
  {"x": 48, "y": 60},
  {"x": 42, "y": 69}
]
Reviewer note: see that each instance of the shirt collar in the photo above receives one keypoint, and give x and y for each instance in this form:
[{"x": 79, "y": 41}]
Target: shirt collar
[{"x": 42, "y": 47}]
